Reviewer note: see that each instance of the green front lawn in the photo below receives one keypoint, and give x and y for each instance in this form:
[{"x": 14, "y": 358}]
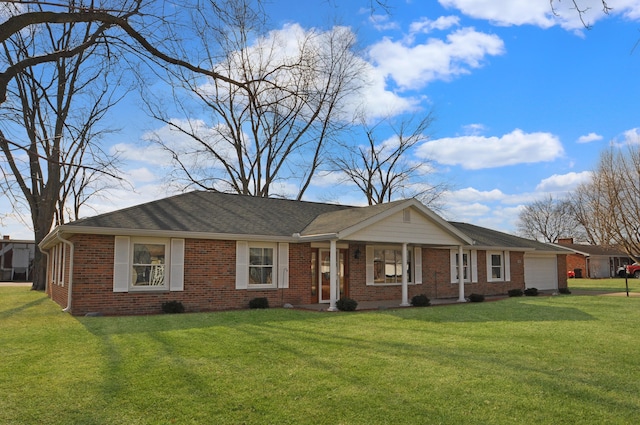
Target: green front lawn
[
  {"x": 544, "y": 360},
  {"x": 616, "y": 284}
]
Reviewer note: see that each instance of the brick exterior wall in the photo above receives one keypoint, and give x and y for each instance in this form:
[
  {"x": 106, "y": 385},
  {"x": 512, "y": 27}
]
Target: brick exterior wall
[
  {"x": 576, "y": 261},
  {"x": 209, "y": 279}
]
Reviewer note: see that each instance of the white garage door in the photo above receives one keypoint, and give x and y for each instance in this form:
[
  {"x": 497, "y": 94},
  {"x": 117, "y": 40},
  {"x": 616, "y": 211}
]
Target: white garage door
[{"x": 541, "y": 272}]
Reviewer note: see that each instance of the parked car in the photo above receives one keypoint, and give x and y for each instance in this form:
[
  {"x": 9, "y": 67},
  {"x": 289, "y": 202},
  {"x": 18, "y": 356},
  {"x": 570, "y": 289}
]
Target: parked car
[
  {"x": 633, "y": 270},
  {"x": 571, "y": 274}
]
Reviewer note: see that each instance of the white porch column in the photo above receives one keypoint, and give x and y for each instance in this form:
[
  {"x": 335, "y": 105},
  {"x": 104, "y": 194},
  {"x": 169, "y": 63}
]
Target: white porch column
[
  {"x": 461, "y": 274},
  {"x": 333, "y": 277},
  {"x": 405, "y": 277}
]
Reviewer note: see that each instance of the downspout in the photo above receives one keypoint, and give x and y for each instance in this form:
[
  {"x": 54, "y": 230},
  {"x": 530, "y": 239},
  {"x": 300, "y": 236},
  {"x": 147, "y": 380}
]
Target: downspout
[
  {"x": 46, "y": 281},
  {"x": 70, "y": 289}
]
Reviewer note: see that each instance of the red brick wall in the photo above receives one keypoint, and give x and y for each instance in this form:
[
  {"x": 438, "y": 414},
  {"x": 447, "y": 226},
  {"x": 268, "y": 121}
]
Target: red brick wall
[
  {"x": 209, "y": 279},
  {"x": 575, "y": 261},
  {"x": 562, "y": 268}
]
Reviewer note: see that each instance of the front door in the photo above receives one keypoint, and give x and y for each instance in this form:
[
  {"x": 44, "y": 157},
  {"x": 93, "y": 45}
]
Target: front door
[{"x": 324, "y": 278}]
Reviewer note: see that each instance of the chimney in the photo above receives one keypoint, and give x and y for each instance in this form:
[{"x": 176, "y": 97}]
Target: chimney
[
  {"x": 5, "y": 237},
  {"x": 565, "y": 241}
]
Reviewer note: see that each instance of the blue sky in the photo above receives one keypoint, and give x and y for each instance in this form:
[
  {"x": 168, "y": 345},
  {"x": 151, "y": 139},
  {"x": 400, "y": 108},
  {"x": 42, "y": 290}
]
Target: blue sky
[{"x": 524, "y": 100}]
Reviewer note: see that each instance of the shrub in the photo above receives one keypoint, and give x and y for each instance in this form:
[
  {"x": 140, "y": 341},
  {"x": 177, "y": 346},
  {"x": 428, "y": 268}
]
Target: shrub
[
  {"x": 517, "y": 292},
  {"x": 420, "y": 301},
  {"x": 172, "y": 307},
  {"x": 260, "y": 302},
  {"x": 476, "y": 298},
  {"x": 564, "y": 291},
  {"x": 346, "y": 304},
  {"x": 531, "y": 292}
]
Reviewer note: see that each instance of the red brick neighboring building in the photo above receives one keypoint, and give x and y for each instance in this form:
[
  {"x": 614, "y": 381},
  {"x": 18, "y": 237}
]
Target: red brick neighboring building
[
  {"x": 212, "y": 251},
  {"x": 594, "y": 261}
]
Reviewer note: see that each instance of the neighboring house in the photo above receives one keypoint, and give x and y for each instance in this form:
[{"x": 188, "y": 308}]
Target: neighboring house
[
  {"x": 215, "y": 251},
  {"x": 16, "y": 259},
  {"x": 594, "y": 261}
]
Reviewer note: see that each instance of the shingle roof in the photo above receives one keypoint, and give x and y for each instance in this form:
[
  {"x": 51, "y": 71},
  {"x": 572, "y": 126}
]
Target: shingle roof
[
  {"x": 488, "y": 237},
  {"x": 214, "y": 212},
  {"x": 222, "y": 213},
  {"x": 596, "y": 250},
  {"x": 335, "y": 221}
]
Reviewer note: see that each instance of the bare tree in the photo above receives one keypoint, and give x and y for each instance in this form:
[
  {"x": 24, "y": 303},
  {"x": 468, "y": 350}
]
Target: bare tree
[
  {"x": 382, "y": 169},
  {"x": 609, "y": 204},
  {"x": 274, "y": 128},
  {"x": 549, "y": 219},
  {"x": 53, "y": 110},
  {"x": 581, "y": 8}
]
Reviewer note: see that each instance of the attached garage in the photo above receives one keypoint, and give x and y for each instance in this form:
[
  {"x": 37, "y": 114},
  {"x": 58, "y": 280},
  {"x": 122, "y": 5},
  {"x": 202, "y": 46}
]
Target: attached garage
[{"x": 541, "y": 271}]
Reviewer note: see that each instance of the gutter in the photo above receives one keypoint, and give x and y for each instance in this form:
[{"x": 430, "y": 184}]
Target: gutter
[{"x": 67, "y": 309}]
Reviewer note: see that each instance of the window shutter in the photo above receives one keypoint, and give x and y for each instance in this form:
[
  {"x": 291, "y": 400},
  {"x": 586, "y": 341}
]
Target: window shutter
[
  {"x": 417, "y": 261},
  {"x": 507, "y": 267},
  {"x": 121, "y": 266},
  {"x": 473, "y": 266},
  {"x": 283, "y": 265},
  {"x": 369, "y": 266},
  {"x": 176, "y": 269},
  {"x": 242, "y": 265}
]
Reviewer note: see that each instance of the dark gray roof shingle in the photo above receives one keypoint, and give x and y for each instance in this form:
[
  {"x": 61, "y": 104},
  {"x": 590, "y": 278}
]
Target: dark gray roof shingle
[
  {"x": 214, "y": 212},
  {"x": 488, "y": 237}
]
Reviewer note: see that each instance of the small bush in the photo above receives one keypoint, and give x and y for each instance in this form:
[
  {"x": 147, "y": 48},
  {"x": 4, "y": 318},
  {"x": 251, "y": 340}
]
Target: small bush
[
  {"x": 420, "y": 301},
  {"x": 517, "y": 292},
  {"x": 564, "y": 291},
  {"x": 346, "y": 304},
  {"x": 172, "y": 307},
  {"x": 260, "y": 302},
  {"x": 476, "y": 298},
  {"x": 531, "y": 292}
]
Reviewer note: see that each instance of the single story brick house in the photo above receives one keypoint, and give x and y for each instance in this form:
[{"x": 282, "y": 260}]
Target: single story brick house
[
  {"x": 595, "y": 261},
  {"x": 215, "y": 251}
]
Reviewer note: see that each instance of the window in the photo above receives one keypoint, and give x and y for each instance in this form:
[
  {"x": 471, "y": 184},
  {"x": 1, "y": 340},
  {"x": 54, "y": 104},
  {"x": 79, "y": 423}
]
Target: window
[
  {"x": 260, "y": 266},
  {"x": 498, "y": 266},
  {"x": 387, "y": 265},
  {"x": 469, "y": 266},
  {"x": 465, "y": 267},
  {"x": 148, "y": 265}
]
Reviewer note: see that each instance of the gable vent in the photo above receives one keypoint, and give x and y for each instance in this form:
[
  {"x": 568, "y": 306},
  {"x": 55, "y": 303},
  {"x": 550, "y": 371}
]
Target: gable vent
[{"x": 406, "y": 215}]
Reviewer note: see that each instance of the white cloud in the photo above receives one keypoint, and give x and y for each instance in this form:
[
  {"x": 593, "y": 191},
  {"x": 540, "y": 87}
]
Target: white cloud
[
  {"x": 591, "y": 137},
  {"x": 541, "y": 13},
  {"x": 478, "y": 152},
  {"x": 631, "y": 137},
  {"x": 414, "y": 66},
  {"x": 382, "y": 22},
  {"x": 426, "y": 25},
  {"x": 563, "y": 182}
]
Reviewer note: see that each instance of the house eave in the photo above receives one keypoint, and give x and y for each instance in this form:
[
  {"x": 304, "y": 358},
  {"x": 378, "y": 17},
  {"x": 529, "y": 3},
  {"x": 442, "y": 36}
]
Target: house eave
[{"x": 67, "y": 230}]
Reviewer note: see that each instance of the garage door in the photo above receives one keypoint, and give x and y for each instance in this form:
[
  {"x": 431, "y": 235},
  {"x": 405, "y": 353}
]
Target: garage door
[{"x": 541, "y": 272}]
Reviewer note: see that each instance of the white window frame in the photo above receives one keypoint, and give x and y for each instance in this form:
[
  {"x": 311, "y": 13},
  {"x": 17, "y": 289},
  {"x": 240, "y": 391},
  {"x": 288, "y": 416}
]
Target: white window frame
[
  {"x": 280, "y": 272},
  {"x": 472, "y": 265},
  {"x": 166, "y": 265},
  {"x": 123, "y": 264},
  {"x": 415, "y": 268},
  {"x": 274, "y": 265},
  {"x": 505, "y": 268}
]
